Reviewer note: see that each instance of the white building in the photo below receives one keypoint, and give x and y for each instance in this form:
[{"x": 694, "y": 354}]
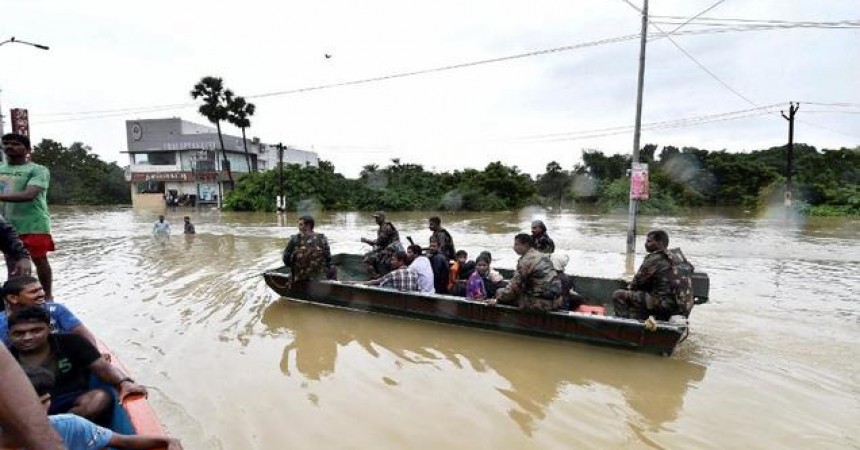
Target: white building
[{"x": 173, "y": 158}]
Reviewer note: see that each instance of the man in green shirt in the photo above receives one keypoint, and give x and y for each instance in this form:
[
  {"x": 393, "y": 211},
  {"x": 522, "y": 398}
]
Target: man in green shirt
[{"x": 23, "y": 191}]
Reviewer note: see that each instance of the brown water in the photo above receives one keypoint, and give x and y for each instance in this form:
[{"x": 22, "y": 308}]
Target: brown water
[{"x": 772, "y": 361}]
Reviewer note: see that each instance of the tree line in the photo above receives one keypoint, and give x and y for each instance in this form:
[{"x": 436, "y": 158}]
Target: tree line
[
  {"x": 80, "y": 177},
  {"x": 825, "y": 183}
]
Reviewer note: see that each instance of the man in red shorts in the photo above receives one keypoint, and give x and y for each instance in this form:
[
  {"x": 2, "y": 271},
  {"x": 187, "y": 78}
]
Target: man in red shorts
[{"x": 23, "y": 191}]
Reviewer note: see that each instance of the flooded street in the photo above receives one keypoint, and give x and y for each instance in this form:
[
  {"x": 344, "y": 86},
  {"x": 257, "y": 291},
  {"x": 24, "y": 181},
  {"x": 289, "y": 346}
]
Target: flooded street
[{"x": 772, "y": 361}]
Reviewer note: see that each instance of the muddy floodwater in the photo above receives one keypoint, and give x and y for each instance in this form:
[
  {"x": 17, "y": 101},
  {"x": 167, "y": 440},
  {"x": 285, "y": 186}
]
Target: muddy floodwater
[{"x": 772, "y": 361}]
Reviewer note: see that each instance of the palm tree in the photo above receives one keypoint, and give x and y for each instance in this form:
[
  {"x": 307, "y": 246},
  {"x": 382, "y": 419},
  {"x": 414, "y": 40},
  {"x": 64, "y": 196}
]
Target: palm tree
[
  {"x": 239, "y": 114},
  {"x": 214, "y": 108}
]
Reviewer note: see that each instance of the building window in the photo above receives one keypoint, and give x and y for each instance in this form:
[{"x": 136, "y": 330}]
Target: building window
[
  {"x": 150, "y": 187},
  {"x": 155, "y": 159}
]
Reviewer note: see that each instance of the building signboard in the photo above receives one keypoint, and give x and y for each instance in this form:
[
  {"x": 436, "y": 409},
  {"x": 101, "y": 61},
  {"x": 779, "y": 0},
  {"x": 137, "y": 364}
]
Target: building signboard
[
  {"x": 173, "y": 176},
  {"x": 20, "y": 121}
]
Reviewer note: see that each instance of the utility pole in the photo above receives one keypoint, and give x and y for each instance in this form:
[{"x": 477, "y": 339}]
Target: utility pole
[
  {"x": 1, "y": 116},
  {"x": 789, "y": 155},
  {"x": 282, "y": 202},
  {"x": 631, "y": 219}
]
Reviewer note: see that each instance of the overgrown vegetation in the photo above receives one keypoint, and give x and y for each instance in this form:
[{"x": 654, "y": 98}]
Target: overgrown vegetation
[
  {"x": 825, "y": 183},
  {"x": 79, "y": 177}
]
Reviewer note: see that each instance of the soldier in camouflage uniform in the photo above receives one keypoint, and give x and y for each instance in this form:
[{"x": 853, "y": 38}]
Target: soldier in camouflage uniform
[
  {"x": 307, "y": 253},
  {"x": 652, "y": 291},
  {"x": 446, "y": 242},
  {"x": 531, "y": 287},
  {"x": 387, "y": 243}
]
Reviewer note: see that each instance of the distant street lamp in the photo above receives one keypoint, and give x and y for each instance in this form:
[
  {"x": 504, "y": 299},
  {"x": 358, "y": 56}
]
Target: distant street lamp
[{"x": 12, "y": 40}]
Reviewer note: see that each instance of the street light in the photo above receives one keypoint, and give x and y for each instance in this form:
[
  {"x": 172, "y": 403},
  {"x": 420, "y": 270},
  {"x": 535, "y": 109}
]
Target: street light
[{"x": 12, "y": 40}]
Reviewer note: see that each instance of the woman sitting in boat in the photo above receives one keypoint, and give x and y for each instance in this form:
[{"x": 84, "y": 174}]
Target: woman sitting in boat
[{"x": 482, "y": 283}]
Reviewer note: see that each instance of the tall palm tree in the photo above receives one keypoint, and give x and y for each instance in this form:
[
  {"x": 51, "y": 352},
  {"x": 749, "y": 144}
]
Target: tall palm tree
[
  {"x": 214, "y": 109},
  {"x": 240, "y": 112}
]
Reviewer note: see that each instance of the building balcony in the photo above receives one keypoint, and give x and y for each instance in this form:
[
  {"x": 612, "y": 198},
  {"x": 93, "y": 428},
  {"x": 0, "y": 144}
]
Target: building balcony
[{"x": 139, "y": 168}]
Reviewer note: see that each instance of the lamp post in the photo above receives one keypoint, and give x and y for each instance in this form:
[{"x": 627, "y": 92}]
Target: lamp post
[{"x": 12, "y": 40}]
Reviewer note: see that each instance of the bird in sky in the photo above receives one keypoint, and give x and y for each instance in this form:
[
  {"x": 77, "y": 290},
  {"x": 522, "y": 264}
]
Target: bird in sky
[{"x": 327, "y": 56}]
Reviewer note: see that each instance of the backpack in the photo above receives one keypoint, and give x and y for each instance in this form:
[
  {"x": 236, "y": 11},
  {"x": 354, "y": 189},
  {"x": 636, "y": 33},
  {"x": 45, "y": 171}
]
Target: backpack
[
  {"x": 681, "y": 283},
  {"x": 308, "y": 258}
]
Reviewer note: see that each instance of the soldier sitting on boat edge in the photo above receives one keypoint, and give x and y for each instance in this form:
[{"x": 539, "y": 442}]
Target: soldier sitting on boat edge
[
  {"x": 307, "y": 253},
  {"x": 533, "y": 285},
  {"x": 657, "y": 289}
]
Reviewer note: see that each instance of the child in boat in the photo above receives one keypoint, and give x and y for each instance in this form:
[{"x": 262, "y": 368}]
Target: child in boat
[
  {"x": 81, "y": 434},
  {"x": 483, "y": 282},
  {"x": 23, "y": 292}
]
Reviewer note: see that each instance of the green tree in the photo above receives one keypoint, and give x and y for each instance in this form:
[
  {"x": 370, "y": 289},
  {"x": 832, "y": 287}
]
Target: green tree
[
  {"x": 239, "y": 114},
  {"x": 554, "y": 183},
  {"x": 214, "y": 109},
  {"x": 79, "y": 177}
]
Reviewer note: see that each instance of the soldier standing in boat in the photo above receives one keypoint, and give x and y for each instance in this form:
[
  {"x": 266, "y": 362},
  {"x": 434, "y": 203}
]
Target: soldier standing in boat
[
  {"x": 543, "y": 243},
  {"x": 532, "y": 284},
  {"x": 651, "y": 292},
  {"x": 307, "y": 253},
  {"x": 387, "y": 243},
  {"x": 446, "y": 242}
]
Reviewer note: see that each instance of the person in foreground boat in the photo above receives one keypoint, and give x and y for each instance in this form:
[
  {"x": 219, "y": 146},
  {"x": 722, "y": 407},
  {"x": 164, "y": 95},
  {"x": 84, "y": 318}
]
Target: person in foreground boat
[
  {"x": 23, "y": 192},
  {"x": 17, "y": 256},
  {"x": 652, "y": 292},
  {"x": 26, "y": 292},
  {"x": 531, "y": 286},
  {"x": 79, "y": 433},
  {"x": 307, "y": 253},
  {"x": 401, "y": 277},
  {"x": 74, "y": 361},
  {"x": 387, "y": 242},
  {"x": 22, "y": 419}
]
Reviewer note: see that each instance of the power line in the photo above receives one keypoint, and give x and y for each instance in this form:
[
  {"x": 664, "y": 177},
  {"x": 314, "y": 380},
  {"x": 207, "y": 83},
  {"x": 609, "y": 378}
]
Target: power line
[
  {"x": 107, "y": 113},
  {"x": 666, "y": 124}
]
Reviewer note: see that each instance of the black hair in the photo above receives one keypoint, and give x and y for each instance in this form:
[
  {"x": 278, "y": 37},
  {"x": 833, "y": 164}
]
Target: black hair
[
  {"x": 483, "y": 257},
  {"x": 308, "y": 220},
  {"x": 434, "y": 239},
  {"x": 435, "y": 220},
  {"x": 19, "y": 138},
  {"x": 416, "y": 249},
  {"x": 16, "y": 284},
  {"x": 43, "y": 380},
  {"x": 400, "y": 256},
  {"x": 487, "y": 255},
  {"x": 660, "y": 236},
  {"x": 462, "y": 253},
  {"x": 27, "y": 315},
  {"x": 523, "y": 238}
]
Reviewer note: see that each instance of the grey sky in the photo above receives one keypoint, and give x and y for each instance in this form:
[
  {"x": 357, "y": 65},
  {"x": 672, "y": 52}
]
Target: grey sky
[{"x": 108, "y": 55}]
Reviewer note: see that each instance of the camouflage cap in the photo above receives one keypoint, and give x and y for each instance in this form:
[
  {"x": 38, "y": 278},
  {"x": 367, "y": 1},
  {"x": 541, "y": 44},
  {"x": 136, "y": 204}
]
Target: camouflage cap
[{"x": 379, "y": 214}]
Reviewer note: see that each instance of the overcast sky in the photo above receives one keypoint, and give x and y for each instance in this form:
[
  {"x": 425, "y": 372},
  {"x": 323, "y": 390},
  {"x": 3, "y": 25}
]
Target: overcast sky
[{"x": 109, "y": 55}]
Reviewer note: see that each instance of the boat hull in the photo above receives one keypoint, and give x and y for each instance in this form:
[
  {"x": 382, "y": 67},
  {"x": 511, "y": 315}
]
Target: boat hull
[
  {"x": 134, "y": 416},
  {"x": 595, "y": 329}
]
